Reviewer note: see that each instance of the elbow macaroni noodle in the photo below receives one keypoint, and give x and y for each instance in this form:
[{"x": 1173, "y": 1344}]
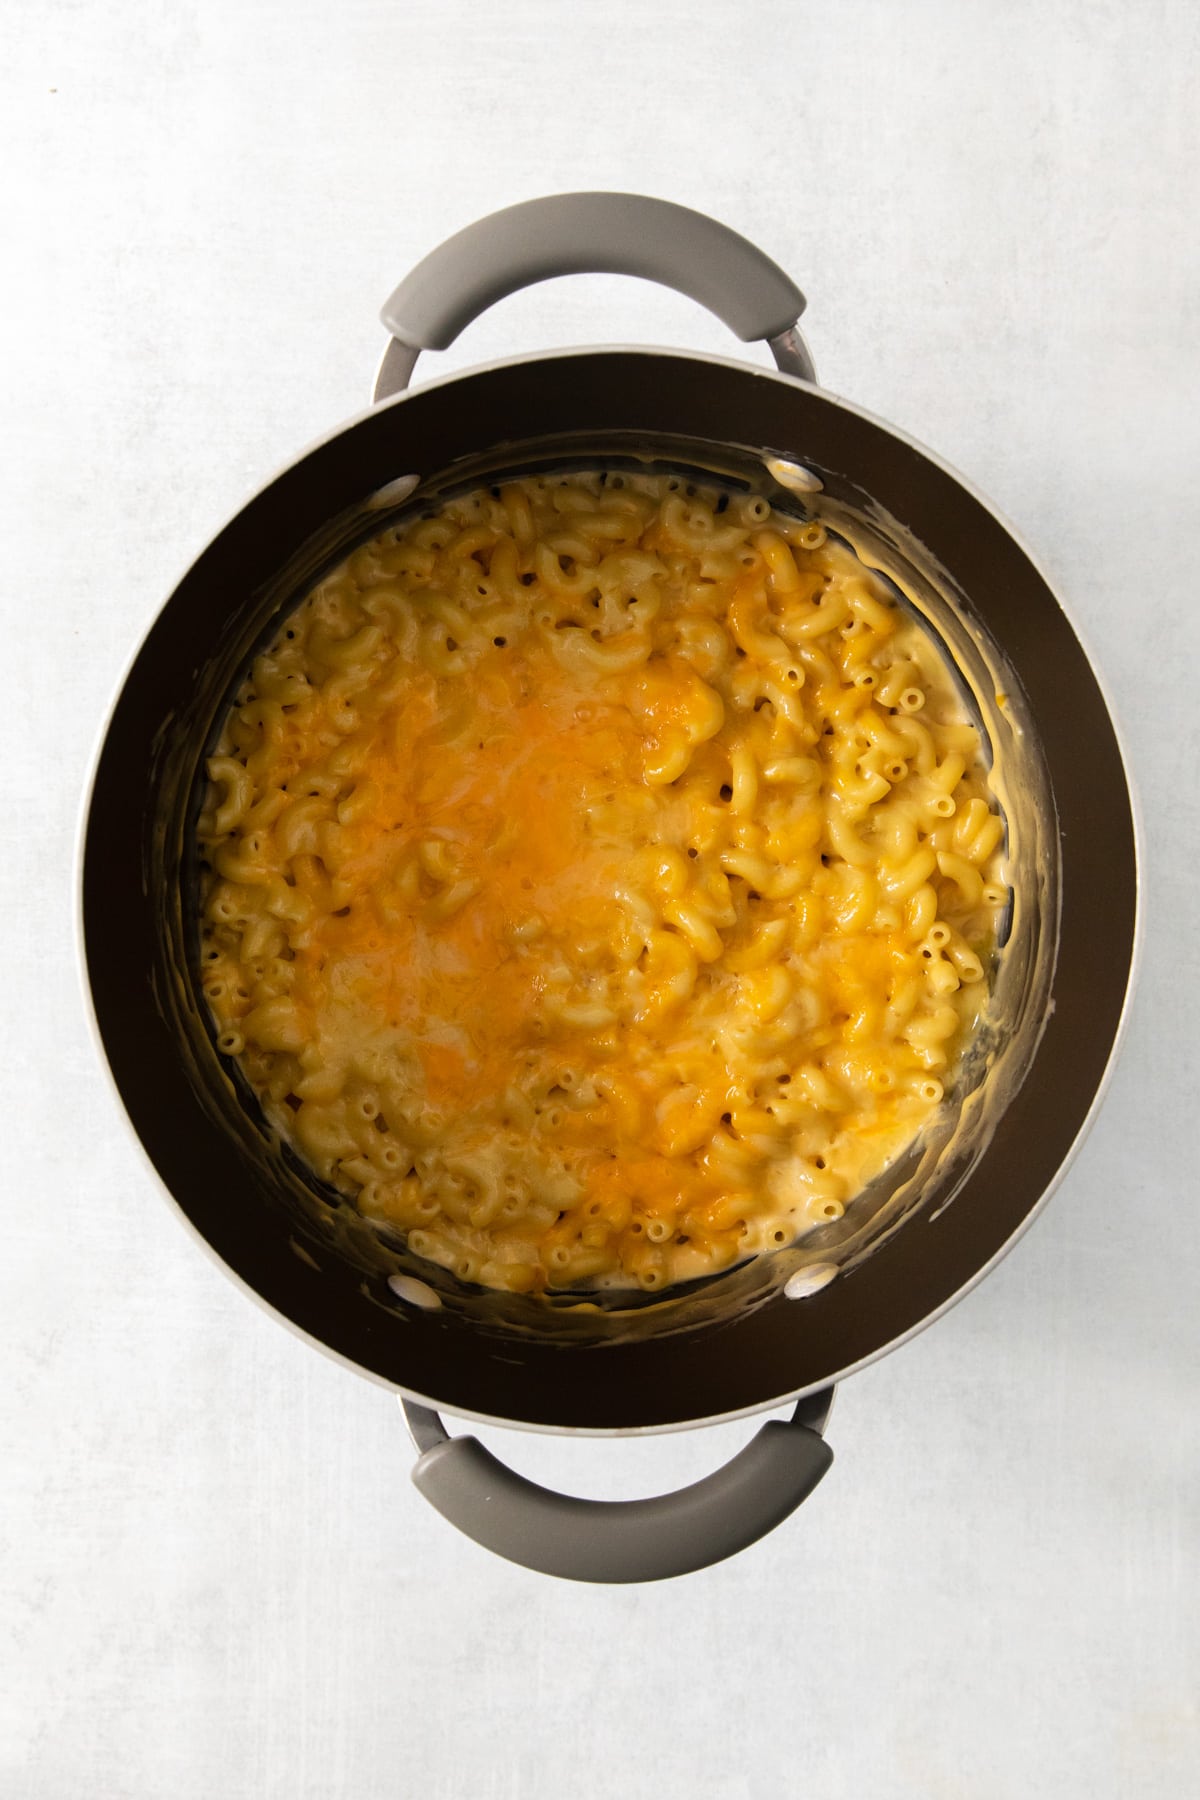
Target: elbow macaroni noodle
[{"x": 602, "y": 880}]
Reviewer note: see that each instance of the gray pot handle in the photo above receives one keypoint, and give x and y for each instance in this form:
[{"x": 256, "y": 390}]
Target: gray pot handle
[
  {"x": 624, "y": 1540},
  {"x": 574, "y": 234}
]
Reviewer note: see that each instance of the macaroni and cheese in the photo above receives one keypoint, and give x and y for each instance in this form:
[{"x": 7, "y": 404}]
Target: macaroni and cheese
[{"x": 602, "y": 880}]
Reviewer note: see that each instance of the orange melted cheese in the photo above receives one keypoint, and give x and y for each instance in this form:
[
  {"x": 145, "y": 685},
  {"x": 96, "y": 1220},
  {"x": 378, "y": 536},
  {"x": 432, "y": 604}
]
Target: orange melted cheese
[
  {"x": 506, "y": 798},
  {"x": 602, "y": 881}
]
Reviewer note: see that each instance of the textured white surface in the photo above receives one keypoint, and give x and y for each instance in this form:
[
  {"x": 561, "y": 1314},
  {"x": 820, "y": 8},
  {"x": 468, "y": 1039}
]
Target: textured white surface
[{"x": 216, "y": 1577}]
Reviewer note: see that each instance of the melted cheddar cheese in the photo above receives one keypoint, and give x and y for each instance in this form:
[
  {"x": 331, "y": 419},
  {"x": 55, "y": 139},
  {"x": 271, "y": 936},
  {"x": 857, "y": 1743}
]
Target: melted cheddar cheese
[{"x": 602, "y": 879}]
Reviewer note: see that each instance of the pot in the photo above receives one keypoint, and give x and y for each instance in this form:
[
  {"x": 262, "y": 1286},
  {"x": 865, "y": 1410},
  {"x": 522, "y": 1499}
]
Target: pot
[{"x": 781, "y": 1328}]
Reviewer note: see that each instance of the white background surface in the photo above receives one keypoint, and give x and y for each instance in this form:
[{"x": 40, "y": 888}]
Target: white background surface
[{"x": 217, "y": 1580}]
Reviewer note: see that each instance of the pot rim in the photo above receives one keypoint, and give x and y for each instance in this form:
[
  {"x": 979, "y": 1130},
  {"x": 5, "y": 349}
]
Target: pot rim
[{"x": 741, "y": 367}]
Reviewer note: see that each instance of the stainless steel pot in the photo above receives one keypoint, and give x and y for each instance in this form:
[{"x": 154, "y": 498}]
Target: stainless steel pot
[{"x": 768, "y": 1332}]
